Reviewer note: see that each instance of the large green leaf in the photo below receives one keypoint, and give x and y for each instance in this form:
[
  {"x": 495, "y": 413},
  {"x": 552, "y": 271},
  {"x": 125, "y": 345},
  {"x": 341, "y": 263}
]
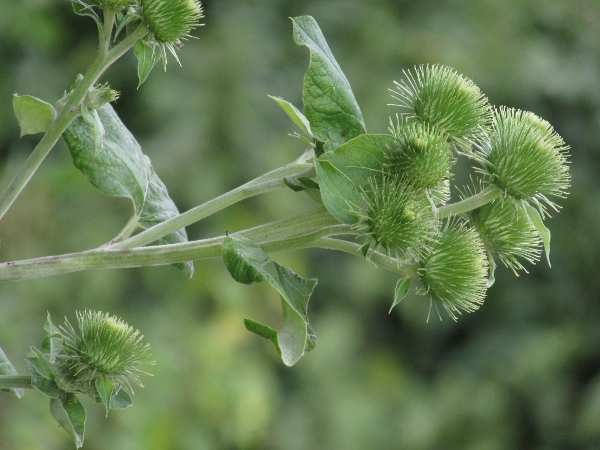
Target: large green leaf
[
  {"x": 6, "y": 368},
  {"x": 119, "y": 168},
  {"x": 70, "y": 414},
  {"x": 329, "y": 102},
  {"x": 344, "y": 173},
  {"x": 247, "y": 264}
]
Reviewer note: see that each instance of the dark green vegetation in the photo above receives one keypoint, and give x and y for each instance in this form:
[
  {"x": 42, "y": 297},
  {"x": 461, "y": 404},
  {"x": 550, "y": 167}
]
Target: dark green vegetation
[{"x": 522, "y": 372}]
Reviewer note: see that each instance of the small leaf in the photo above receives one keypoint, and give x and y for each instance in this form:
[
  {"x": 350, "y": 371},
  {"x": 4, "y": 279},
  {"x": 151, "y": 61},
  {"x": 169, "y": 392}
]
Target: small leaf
[
  {"x": 536, "y": 219},
  {"x": 344, "y": 173},
  {"x": 122, "y": 170},
  {"x": 40, "y": 383},
  {"x": 83, "y": 9},
  {"x": 105, "y": 388},
  {"x": 120, "y": 400},
  {"x": 329, "y": 102},
  {"x": 70, "y": 414},
  {"x": 145, "y": 57},
  {"x": 41, "y": 363},
  {"x": 247, "y": 264},
  {"x": 400, "y": 292},
  {"x": 34, "y": 115},
  {"x": 297, "y": 117},
  {"x": 51, "y": 343},
  {"x": 6, "y": 368},
  {"x": 298, "y": 184}
]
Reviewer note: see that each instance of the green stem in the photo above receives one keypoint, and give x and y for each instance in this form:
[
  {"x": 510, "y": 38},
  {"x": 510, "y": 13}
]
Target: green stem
[
  {"x": 103, "y": 60},
  {"x": 489, "y": 194},
  {"x": 263, "y": 184},
  {"x": 15, "y": 382},
  {"x": 403, "y": 267},
  {"x": 286, "y": 231}
]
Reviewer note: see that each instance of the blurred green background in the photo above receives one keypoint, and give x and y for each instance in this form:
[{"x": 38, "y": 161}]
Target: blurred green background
[{"x": 522, "y": 372}]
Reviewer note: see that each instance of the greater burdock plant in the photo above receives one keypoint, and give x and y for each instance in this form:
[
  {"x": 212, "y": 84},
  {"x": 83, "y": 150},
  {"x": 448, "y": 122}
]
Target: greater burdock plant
[{"x": 382, "y": 197}]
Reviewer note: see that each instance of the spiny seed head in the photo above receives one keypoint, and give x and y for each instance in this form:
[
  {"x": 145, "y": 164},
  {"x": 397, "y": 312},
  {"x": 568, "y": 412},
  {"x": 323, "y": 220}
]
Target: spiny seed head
[
  {"x": 398, "y": 218},
  {"x": 455, "y": 270},
  {"x": 104, "y": 346},
  {"x": 525, "y": 157},
  {"x": 170, "y": 21},
  {"x": 420, "y": 154},
  {"x": 507, "y": 232},
  {"x": 440, "y": 97}
]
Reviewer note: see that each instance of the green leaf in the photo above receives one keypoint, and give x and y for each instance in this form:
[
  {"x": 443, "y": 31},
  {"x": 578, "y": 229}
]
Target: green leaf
[
  {"x": 42, "y": 373},
  {"x": 120, "y": 400},
  {"x": 83, "y": 9},
  {"x": 41, "y": 363},
  {"x": 145, "y": 57},
  {"x": 536, "y": 219},
  {"x": 329, "y": 102},
  {"x": 105, "y": 388},
  {"x": 51, "y": 343},
  {"x": 297, "y": 117},
  {"x": 6, "y": 368},
  {"x": 121, "y": 169},
  {"x": 298, "y": 184},
  {"x": 34, "y": 115},
  {"x": 400, "y": 292},
  {"x": 247, "y": 264},
  {"x": 344, "y": 173},
  {"x": 70, "y": 414},
  {"x": 264, "y": 331}
]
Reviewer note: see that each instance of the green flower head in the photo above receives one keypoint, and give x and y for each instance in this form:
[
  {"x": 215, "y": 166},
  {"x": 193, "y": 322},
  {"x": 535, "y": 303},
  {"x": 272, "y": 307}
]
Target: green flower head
[
  {"x": 398, "y": 218},
  {"x": 170, "y": 21},
  {"x": 421, "y": 155},
  {"x": 440, "y": 97},
  {"x": 507, "y": 232},
  {"x": 526, "y": 158},
  {"x": 455, "y": 270},
  {"x": 105, "y": 346}
]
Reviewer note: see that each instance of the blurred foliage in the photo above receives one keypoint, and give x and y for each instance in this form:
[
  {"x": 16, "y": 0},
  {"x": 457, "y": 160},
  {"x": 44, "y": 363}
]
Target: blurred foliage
[{"x": 522, "y": 372}]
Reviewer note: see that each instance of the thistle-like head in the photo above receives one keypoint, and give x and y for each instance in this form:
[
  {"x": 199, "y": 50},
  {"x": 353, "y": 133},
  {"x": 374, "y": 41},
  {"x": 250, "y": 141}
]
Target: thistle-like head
[
  {"x": 525, "y": 157},
  {"x": 103, "y": 346},
  {"x": 440, "y": 97},
  {"x": 454, "y": 271}
]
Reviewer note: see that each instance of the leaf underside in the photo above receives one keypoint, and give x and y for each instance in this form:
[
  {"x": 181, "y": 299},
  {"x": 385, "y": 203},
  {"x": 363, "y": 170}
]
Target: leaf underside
[
  {"x": 119, "y": 168},
  {"x": 247, "y": 263}
]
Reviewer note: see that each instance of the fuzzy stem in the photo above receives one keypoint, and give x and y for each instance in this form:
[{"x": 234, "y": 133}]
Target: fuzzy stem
[
  {"x": 278, "y": 236},
  {"x": 15, "y": 382},
  {"x": 490, "y": 193},
  {"x": 263, "y": 184},
  {"x": 104, "y": 59}
]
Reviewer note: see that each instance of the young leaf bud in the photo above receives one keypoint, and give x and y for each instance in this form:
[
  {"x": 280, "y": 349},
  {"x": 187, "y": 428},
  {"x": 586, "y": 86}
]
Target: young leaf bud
[
  {"x": 455, "y": 270},
  {"x": 526, "y": 158},
  {"x": 104, "y": 347},
  {"x": 170, "y": 21},
  {"x": 440, "y": 97},
  {"x": 421, "y": 155},
  {"x": 507, "y": 232},
  {"x": 398, "y": 218}
]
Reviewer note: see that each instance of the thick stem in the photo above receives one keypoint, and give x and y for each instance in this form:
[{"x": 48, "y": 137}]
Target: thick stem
[
  {"x": 489, "y": 194},
  {"x": 261, "y": 185},
  {"x": 15, "y": 382},
  {"x": 286, "y": 233},
  {"x": 103, "y": 60}
]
